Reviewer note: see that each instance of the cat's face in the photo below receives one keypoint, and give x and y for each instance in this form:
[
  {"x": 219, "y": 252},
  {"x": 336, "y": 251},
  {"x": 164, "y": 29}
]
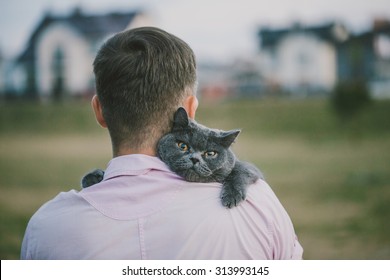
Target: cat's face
[{"x": 195, "y": 152}]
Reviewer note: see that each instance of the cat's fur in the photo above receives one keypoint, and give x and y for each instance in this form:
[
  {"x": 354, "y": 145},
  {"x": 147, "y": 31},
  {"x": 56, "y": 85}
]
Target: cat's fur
[{"x": 201, "y": 154}]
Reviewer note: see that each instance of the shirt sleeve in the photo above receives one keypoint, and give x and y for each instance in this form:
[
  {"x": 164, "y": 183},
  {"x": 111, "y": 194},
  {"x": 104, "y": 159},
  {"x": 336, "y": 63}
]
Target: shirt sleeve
[
  {"x": 25, "y": 250},
  {"x": 284, "y": 244},
  {"x": 285, "y": 241}
]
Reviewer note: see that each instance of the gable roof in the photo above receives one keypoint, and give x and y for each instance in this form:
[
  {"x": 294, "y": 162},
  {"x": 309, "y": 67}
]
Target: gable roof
[
  {"x": 90, "y": 26},
  {"x": 327, "y": 32},
  {"x": 95, "y": 26}
]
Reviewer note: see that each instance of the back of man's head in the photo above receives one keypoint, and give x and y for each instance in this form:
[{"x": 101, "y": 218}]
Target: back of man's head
[{"x": 142, "y": 76}]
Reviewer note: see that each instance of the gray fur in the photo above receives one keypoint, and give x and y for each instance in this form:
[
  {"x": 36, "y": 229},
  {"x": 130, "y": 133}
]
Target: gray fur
[
  {"x": 92, "y": 178},
  {"x": 201, "y": 154}
]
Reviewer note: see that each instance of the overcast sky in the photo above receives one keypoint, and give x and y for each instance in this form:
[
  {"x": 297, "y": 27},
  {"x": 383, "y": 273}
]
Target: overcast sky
[{"x": 216, "y": 29}]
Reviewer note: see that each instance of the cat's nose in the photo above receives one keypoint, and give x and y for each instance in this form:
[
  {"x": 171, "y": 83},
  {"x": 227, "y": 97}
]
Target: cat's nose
[{"x": 194, "y": 160}]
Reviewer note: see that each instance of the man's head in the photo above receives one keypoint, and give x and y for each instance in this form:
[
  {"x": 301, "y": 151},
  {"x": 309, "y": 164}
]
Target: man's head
[{"x": 142, "y": 76}]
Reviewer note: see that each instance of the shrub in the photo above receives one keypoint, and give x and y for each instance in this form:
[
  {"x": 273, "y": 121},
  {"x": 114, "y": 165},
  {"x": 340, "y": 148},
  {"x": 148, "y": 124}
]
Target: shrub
[{"x": 349, "y": 97}]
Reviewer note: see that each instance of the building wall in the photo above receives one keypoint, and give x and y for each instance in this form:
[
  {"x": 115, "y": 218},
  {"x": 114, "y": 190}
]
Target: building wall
[
  {"x": 301, "y": 61},
  {"x": 78, "y": 56},
  {"x": 2, "y": 74},
  {"x": 15, "y": 79}
]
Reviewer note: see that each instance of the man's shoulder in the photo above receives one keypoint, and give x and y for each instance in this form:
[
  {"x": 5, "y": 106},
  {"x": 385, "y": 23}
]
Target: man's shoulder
[
  {"x": 62, "y": 204},
  {"x": 262, "y": 199},
  {"x": 261, "y": 192},
  {"x": 58, "y": 220}
]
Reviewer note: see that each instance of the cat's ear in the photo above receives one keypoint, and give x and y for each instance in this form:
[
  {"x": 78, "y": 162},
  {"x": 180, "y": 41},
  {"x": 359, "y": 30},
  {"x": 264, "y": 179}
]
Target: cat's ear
[
  {"x": 227, "y": 137},
  {"x": 180, "y": 120}
]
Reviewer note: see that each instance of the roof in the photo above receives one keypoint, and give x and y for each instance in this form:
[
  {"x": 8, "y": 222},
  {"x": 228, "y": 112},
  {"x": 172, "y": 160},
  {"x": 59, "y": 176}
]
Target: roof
[
  {"x": 327, "y": 32},
  {"x": 368, "y": 37},
  {"x": 95, "y": 26},
  {"x": 91, "y": 26}
]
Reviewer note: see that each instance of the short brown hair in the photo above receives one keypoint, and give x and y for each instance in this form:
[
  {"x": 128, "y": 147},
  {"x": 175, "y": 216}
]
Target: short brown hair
[{"x": 142, "y": 76}]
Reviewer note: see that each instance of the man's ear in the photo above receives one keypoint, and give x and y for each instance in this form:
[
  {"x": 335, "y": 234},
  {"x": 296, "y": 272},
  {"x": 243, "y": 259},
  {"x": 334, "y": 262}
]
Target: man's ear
[
  {"x": 97, "y": 108},
  {"x": 191, "y": 105}
]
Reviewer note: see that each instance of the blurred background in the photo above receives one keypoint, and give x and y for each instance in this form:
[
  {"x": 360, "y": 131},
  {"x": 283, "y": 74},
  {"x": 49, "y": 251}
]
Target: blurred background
[{"x": 307, "y": 81}]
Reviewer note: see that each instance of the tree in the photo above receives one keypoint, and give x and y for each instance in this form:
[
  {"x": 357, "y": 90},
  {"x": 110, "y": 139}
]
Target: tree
[{"x": 349, "y": 97}]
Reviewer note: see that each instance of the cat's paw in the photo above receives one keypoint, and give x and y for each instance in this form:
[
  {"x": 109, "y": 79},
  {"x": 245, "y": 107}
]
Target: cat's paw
[
  {"x": 232, "y": 197},
  {"x": 92, "y": 178}
]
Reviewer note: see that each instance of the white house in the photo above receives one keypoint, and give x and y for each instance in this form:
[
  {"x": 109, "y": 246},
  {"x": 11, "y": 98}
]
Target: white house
[
  {"x": 59, "y": 55},
  {"x": 301, "y": 59}
]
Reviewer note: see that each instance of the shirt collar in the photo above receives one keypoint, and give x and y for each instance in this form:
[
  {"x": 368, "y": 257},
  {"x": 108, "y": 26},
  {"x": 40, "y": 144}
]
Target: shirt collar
[{"x": 133, "y": 165}]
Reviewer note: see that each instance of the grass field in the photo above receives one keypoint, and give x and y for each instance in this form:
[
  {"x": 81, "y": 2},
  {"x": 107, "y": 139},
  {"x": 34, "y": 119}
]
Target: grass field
[{"x": 333, "y": 178}]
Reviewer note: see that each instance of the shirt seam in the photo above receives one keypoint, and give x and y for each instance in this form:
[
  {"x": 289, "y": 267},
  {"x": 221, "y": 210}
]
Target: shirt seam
[
  {"x": 141, "y": 233},
  {"x": 271, "y": 243},
  {"x": 138, "y": 216}
]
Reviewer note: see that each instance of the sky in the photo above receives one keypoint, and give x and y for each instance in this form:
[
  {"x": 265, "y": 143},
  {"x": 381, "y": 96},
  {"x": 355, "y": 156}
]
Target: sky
[{"x": 216, "y": 29}]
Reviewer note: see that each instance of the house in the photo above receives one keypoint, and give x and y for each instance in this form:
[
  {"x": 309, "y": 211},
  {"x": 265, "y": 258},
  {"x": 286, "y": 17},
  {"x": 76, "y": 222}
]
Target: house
[
  {"x": 59, "y": 54},
  {"x": 300, "y": 59},
  {"x": 2, "y": 81},
  {"x": 246, "y": 80},
  {"x": 239, "y": 78},
  {"x": 366, "y": 56},
  {"x": 380, "y": 84},
  {"x": 213, "y": 81}
]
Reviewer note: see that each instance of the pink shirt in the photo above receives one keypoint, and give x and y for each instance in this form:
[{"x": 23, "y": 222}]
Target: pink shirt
[{"x": 141, "y": 210}]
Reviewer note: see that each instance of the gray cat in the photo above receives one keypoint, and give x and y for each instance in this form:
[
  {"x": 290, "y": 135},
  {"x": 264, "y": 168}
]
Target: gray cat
[{"x": 201, "y": 154}]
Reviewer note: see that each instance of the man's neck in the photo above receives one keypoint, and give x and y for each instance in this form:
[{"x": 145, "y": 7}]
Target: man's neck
[{"x": 129, "y": 151}]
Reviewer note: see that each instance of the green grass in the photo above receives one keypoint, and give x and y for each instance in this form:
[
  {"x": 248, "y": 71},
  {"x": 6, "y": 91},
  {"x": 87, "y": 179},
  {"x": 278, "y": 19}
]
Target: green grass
[
  {"x": 60, "y": 118},
  {"x": 333, "y": 178}
]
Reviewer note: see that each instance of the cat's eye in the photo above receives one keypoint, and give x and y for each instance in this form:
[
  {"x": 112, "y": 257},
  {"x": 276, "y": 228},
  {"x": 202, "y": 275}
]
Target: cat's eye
[
  {"x": 182, "y": 146},
  {"x": 210, "y": 154}
]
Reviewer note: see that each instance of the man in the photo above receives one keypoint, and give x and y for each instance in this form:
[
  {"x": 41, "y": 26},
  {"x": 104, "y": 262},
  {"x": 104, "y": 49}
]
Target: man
[{"x": 142, "y": 210}]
